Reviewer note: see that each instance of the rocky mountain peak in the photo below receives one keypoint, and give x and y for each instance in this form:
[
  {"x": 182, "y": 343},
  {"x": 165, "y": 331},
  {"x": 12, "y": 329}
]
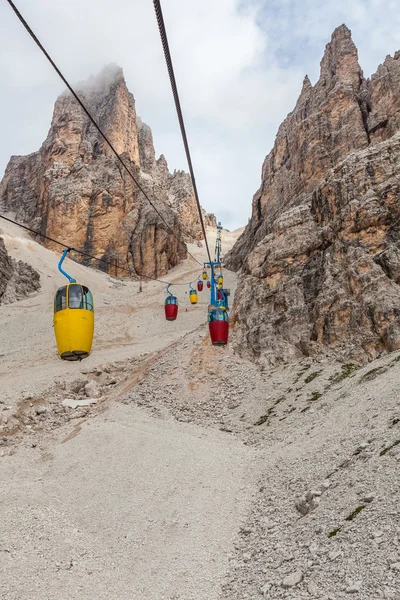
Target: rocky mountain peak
[
  {"x": 109, "y": 76},
  {"x": 324, "y": 218},
  {"x": 340, "y": 60},
  {"x": 341, "y": 44},
  {"x": 75, "y": 190},
  {"x": 162, "y": 163},
  {"x": 305, "y": 93},
  {"x": 147, "y": 155},
  {"x": 112, "y": 106}
]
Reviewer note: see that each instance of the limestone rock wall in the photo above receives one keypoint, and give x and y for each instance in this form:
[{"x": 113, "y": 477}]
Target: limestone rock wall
[
  {"x": 17, "y": 279},
  {"x": 75, "y": 190},
  {"x": 319, "y": 270}
]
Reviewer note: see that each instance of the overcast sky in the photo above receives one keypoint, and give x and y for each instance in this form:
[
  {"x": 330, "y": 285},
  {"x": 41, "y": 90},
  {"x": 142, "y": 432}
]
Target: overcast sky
[{"x": 239, "y": 67}]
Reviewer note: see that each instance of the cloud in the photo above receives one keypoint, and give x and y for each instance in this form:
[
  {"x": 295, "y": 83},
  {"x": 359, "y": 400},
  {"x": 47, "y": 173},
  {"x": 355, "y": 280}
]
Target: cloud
[
  {"x": 239, "y": 66},
  {"x": 298, "y": 31}
]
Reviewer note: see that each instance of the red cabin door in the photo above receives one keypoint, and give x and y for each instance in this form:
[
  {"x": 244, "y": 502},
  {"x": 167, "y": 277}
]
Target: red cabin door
[
  {"x": 171, "y": 312},
  {"x": 219, "y": 332}
]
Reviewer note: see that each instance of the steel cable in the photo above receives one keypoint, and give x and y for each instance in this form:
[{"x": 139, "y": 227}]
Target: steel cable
[
  {"x": 170, "y": 68},
  {"x": 100, "y": 260}
]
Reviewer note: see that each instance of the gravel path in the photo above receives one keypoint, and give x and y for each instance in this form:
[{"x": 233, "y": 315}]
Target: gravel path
[{"x": 131, "y": 507}]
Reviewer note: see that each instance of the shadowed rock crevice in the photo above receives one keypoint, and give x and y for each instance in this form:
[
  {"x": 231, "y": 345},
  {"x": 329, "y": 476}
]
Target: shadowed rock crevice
[{"x": 364, "y": 102}]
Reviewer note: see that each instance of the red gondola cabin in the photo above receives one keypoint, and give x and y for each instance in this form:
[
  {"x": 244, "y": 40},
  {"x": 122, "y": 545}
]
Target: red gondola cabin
[
  {"x": 218, "y": 323},
  {"x": 171, "y": 308},
  {"x": 200, "y": 286}
]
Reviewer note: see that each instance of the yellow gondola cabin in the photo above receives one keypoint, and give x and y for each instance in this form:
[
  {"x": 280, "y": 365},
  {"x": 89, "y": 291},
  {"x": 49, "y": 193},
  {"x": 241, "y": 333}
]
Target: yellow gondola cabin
[
  {"x": 74, "y": 321},
  {"x": 73, "y": 318},
  {"x": 193, "y": 296}
]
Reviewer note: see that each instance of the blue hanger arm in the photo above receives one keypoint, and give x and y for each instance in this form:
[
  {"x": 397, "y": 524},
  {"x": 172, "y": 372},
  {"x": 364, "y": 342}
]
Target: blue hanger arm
[{"x": 64, "y": 254}]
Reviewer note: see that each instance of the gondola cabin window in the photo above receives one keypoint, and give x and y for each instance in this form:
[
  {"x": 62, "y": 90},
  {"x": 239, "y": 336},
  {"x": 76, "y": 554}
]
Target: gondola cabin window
[
  {"x": 87, "y": 298},
  {"x": 60, "y": 301},
  {"x": 75, "y": 299},
  {"x": 79, "y": 296}
]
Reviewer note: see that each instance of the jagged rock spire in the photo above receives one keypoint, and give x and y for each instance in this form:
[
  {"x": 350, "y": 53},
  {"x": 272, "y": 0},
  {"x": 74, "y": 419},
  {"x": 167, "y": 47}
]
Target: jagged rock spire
[
  {"x": 305, "y": 91},
  {"x": 340, "y": 58},
  {"x": 74, "y": 189}
]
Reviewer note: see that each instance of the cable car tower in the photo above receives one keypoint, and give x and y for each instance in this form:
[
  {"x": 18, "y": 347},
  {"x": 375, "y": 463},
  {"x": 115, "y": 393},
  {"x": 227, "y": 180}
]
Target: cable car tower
[
  {"x": 214, "y": 265},
  {"x": 218, "y": 319},
  {"x": 218, "y": 243},
  {"x": 219, "y": 295}
]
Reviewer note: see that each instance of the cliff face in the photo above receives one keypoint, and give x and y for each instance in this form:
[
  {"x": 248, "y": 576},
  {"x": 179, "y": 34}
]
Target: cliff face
[
  {"x": 75, "y": 190},
  {"x": 17, "y": 279},
  {"x": 320, "y": 257},
  {"x": 175, "y": 187}
]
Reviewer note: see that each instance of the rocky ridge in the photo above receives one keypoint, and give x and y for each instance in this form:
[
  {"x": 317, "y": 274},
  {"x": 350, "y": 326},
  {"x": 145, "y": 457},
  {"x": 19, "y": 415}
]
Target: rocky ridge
[
  {"x": 75, "y": 190},
  {"x": 319, "y": 259},
  {"x": 17, "y": 279}
]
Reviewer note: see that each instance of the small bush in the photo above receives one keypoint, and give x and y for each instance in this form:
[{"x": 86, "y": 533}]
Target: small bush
[
  {"x": 334, "y": 532},
  {"x": 312, "y": 376},
  {"x": 355, "y": 512},
  {"x": 347, "y": 371}
]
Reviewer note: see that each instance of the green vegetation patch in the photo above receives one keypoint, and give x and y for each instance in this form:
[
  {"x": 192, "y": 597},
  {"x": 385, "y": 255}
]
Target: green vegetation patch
[
  {"x": 386, "y": 450},
  {"x": 315, "y": 396},
  {"x": 312, "y": 376},
  {"x": 347, "y": 371},
  {"x": 355, "y": 512},
  {"x": 334, "y": 532},
  {"x": 301, "y": 372},
  {"x": 372, "y": 374},
  {"x": 262, "y": 420}
]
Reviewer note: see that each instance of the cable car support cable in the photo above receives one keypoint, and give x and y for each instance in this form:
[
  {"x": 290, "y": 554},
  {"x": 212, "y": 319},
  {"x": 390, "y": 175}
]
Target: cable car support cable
[
  {"x": 217, "y": 316},
  {"x": 168, "y": 60},
  {"x": 82, "y": 253}
]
